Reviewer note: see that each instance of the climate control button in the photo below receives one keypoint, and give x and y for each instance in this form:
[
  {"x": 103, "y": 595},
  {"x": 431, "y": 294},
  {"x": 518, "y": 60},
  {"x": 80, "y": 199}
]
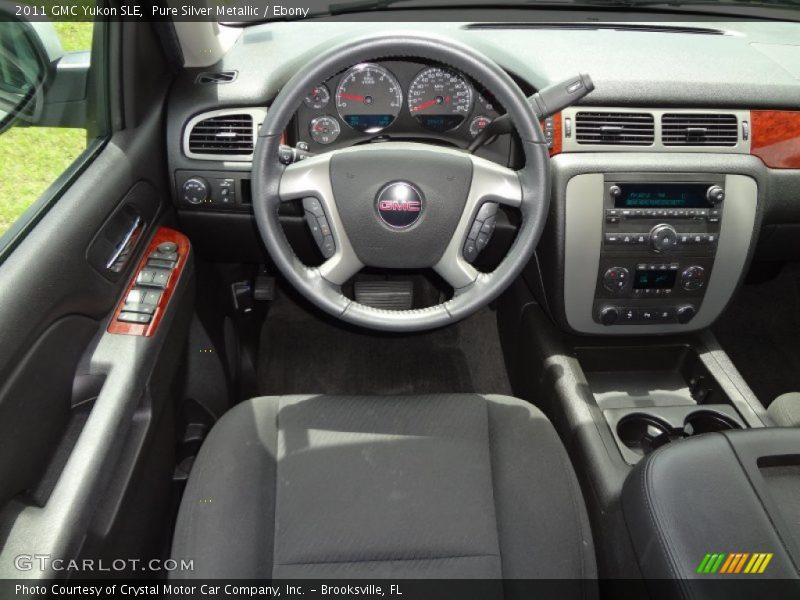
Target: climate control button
[
  {"x": 693, "y": 278},
  {"x": 616, "y": 279}
]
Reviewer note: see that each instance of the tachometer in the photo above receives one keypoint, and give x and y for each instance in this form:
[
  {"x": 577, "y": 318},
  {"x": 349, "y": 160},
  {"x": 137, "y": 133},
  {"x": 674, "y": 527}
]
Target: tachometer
[
  {"x": 368, "y": 98},
  {"x": 439, "y": 99}
]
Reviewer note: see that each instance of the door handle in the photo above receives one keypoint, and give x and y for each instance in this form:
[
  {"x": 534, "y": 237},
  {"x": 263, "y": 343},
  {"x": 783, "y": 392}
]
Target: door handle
[{"x": 119, "y": 257}]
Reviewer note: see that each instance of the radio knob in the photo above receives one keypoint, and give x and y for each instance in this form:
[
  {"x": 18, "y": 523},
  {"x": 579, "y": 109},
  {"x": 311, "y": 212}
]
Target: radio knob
[
  {"x": 196, "y": 190},
  {"x": 685, "y": 313},
  {"x": 715, "y": 194},
  {"x": 609, "y": 315},
  {"x": 615, "y": 191},
  {"x": 663, "y": 237},
  {"x": 615, "y": 279}
]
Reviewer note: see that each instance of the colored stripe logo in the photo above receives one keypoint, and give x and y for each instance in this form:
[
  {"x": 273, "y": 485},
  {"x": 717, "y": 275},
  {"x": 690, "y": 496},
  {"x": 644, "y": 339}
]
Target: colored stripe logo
[{"x": 735, "y": 562}]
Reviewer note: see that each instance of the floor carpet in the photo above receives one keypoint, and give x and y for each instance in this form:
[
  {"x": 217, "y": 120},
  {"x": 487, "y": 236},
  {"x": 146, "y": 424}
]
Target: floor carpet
[{"x": 305, "y": 352}]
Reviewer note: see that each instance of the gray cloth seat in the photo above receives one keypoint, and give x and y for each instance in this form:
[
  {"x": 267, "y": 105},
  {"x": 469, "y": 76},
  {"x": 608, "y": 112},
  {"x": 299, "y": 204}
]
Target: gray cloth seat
[{"x": 438, "y": 486}]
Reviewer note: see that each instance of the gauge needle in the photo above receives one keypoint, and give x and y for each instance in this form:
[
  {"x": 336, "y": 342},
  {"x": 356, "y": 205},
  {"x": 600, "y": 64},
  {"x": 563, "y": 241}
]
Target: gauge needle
[
  {"x": 352, "y": 97},
  {"x": 424, "y": 105}
]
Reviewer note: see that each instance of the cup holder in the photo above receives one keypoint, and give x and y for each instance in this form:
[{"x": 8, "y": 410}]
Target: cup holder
[
  {"x": 643, "y": 433},
  {"x": 706, "y": 421}
]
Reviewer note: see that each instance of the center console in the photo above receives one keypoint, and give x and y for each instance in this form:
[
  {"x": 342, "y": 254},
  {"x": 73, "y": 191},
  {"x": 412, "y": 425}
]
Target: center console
[{"x": 654, "y": 252}]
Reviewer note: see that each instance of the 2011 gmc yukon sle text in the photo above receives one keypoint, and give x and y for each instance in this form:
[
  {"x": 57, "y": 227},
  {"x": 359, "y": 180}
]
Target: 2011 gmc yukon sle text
[{"x": 397, "y": 298}]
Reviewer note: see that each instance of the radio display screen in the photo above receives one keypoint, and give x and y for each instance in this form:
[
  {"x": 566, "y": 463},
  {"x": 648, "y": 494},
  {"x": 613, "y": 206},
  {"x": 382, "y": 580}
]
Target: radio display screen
[
  {"x": 662, "y": 195},
  {"x": 645, "y": 279}
]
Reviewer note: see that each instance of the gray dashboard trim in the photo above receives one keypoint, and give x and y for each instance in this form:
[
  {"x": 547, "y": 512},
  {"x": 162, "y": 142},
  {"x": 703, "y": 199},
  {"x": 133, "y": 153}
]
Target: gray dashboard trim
[
  {"x": 584, "y": 225},
  {"x": 551, "y": 251}
]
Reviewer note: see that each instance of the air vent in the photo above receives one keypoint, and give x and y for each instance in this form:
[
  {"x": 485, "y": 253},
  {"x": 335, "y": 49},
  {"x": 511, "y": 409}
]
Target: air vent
[
  {"x": 699, "y": 129},
  {"x": 223, "y": 135},
  {"x": 210, "y": 77},
  {"x": 614, "y": 128}
]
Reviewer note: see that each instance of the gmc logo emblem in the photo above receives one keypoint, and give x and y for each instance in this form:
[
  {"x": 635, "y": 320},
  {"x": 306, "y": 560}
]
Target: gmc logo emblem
[
  {"x": 408, "y": 206},
  {"x": 399, "y": 204}
]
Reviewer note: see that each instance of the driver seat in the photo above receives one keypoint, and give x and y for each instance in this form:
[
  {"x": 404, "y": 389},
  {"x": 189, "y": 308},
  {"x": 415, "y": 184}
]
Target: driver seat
[{"x": 436, "y": 486}]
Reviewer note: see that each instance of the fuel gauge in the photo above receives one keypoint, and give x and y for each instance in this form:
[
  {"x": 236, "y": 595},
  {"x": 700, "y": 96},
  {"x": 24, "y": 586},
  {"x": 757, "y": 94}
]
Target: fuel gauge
[
  {"x": 318, "y": 97},
  {"x": 324, "y": 129}
]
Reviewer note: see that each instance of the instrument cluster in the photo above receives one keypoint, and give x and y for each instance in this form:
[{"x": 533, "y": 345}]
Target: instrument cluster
[{"x": 394, "y": 100}]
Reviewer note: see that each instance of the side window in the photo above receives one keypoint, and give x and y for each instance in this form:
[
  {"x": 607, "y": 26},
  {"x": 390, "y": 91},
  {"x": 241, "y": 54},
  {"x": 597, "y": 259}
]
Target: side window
[{"x": 48, "y": 142}]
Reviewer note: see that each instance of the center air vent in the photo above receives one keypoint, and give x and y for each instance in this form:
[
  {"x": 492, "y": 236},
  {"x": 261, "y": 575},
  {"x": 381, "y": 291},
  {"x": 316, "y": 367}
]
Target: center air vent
[
  {"x": 228, "y": 135},
  {"x": 614, "y": 128},
  {"x": 699, "y": 129}
]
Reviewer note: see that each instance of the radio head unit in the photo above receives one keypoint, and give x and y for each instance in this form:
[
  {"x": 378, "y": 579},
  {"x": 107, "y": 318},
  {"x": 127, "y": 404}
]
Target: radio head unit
[{"x": 665, "y": 195}]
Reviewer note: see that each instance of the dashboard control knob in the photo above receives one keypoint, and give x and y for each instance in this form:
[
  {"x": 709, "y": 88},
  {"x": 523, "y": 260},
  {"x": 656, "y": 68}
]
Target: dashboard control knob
[
  {"x": 686, "y": 313},
  {"x": 615, "y": 191},
  {"x": 693, "y": 278},
  {"x": 715, "y": 194},
  {"x": 663, "y": 237},
  {"x": 615, "y": 279},
  {"x": 196, "y": 190},
  {"x": 609, "y": 315}
]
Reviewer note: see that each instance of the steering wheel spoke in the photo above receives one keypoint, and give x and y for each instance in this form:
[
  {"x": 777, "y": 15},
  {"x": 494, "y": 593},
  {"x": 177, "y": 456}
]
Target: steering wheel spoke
[
  {"x": 309, "y": 179},
  {"x": 491, "y": 184}
]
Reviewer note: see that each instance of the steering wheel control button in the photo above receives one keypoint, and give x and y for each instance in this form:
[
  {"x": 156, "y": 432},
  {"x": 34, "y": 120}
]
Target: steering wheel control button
[
  {"x": 693, "y": 278},
  {"x": 481, "y": 231},
  {"x": 319, "y": 226},
  {"x": 399, "y": 204},
  {"x": 616, "y": 279},
  {"x": 471, "y": 251},
  {"x": 488, "y": 209}
]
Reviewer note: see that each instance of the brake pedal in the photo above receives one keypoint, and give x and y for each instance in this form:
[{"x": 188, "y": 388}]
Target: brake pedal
[{"x": 388, "y": 295}]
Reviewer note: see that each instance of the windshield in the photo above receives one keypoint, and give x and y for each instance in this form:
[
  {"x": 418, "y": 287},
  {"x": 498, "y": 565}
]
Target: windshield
[{"x": 240, "y": 11}]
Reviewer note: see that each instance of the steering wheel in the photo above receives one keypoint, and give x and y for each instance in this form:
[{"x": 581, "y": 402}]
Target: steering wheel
[{"x": 400, "y": 204}]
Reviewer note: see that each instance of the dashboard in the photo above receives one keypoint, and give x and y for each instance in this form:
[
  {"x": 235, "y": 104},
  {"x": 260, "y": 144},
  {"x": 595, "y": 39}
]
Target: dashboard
[
  {"x": 665, "y": 121},
  {"x": 397, "y": 100}
]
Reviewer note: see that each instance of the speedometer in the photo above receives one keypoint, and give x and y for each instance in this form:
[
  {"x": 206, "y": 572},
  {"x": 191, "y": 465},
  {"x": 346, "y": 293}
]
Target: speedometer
[
  {"x": 368, "y": 98},
  {"x": 439, "y": 99}
]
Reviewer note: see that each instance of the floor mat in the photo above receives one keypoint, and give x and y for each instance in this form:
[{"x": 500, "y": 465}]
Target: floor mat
[
  {"x": 761, "y": 333},
  {"x": 305, "y": 352}
]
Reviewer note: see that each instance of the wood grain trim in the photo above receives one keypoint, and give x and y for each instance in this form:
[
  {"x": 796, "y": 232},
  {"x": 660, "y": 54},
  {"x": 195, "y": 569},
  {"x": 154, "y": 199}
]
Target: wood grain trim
[
  {"x": 164, "y": 234},
  {"x": 558, "y": 135},
  {"x": 776, "y": 138}
]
